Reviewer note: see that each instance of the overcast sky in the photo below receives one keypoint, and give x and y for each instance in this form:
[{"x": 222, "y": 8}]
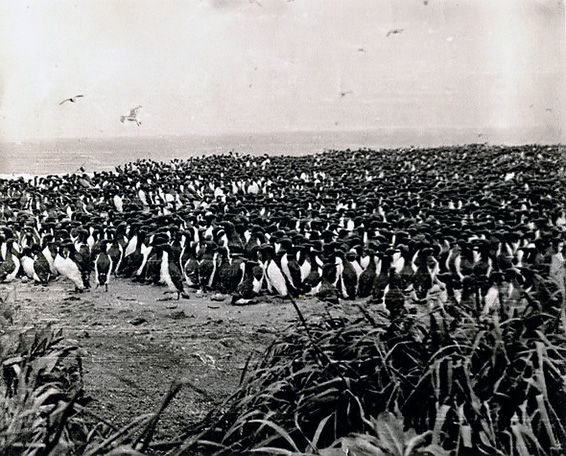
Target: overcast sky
[{"x": 221, "y": 66}]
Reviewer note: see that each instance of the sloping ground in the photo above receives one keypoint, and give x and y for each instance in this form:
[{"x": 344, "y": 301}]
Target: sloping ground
[{"x": 135, "y": 344}]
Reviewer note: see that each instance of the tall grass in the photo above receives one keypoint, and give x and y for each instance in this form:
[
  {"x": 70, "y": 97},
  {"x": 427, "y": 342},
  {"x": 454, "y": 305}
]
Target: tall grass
[
  {"x": 42, "y": 380},
  {"x": 443, "y": 380},
  {"x": 450, "y": 380}
]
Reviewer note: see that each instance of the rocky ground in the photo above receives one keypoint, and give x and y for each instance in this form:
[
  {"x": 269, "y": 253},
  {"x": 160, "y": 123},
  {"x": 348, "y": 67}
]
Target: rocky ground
[{"x": 136, "y": 342}]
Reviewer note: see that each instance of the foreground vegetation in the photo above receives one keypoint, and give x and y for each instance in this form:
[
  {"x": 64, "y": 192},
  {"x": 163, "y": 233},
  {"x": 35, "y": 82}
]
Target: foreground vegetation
[
  {"x": 464, "y": 383},
  {"x": 436, "y": 380}
]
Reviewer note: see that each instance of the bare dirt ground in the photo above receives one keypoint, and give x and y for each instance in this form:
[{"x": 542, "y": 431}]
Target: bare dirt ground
[{"x": 135, "y": 344}]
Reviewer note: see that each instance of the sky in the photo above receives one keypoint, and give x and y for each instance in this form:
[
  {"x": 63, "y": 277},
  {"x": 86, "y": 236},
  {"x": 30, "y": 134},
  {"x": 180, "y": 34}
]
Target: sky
[{"x": 209, "y": 67}]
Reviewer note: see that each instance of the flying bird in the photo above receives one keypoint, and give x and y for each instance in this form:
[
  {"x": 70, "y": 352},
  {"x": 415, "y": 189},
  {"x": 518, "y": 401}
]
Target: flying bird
[
  {"x": 394, "y": 32},
  {"x": 343, "y": 94},
  {"x": 132, "y": 116},
  {"x": 72, "y": 99}
]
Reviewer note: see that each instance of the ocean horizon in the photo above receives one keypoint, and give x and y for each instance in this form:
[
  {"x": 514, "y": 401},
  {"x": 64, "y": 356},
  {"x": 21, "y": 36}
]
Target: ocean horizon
[{"x": 69, "y": 155}]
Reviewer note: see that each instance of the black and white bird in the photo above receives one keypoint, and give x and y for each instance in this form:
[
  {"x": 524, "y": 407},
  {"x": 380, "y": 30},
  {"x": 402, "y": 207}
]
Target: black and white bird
[
  {"x": 27, "y": 261},
  {"x": 327, "y": 291},
  {"x": 103, "y": 266},
  {"x": 72, "y": 99},
  {"x": 116, "y": 254},
  {"x": 367, "y": 277},
  {"x": 132, "y": 116},
  {"x": 274, "y": 276},
  {"x": 230, "y": 272},
  {"x": 191, "y": 268},
  {"x": 66, "y": 265},
  {"x": 42, "y": 266},
  {"x": 290, "y": 269},
  {"x": 49, "y": 252},
  {"x": 247, "y": 288},
  {"x": 9, "y": 261},
  {"x": 207, "y": 267},
  {"x": 170, "y": 272}
]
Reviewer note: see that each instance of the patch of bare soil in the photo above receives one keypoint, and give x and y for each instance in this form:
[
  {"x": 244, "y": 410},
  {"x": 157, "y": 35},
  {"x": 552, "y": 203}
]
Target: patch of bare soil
[{"x": 135, "y": 344}]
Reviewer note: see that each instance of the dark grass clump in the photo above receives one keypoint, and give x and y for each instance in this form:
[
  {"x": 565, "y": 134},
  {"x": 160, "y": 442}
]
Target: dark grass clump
[
  {"x": 440, "y": 381},
  {"x": 41, "y": 385}
]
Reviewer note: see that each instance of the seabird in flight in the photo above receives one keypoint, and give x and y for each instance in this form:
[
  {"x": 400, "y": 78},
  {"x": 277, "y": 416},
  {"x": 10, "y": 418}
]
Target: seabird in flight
[
  {"x": 394, "y": 31},
  {"x": 72, "y": 99},
  {"x": 132, "y": 116}
]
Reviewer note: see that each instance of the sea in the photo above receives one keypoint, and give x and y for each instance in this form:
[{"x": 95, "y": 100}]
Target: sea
[{"x": 63, "y": 156}]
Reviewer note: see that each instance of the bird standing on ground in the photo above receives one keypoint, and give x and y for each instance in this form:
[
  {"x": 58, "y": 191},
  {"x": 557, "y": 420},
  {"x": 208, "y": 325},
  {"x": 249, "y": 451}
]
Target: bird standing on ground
[
  {"x": 41, "y": 265},
  {"x": 393, "y": 295},
  {"x": 207, "y": 267},
  {"x": 115, "y": 252},
  {"x": 191, "y": 267},
  {"x": 49, "y": 252},
  {"x": 230, "y": 272},
  {"x": 348, "y": 282},
  {"x": 170, "y": 272},
  {"x": 66, "y": 265},
  {"x": 246, "y": 289},
  {"x": 103, "y": 266},
  {"x": 368, "y": 276},
  {"x": 275, "y": 278},
  {"x": 10, "y": 264},
  {"x": 27, "y": 264},
  {"x": 82, "y": 257},
  {"x": 327, "y": 291},
  {"x": 290, "y": 267}
]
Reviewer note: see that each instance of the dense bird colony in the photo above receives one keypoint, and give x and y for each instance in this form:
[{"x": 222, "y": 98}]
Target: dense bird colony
[{"x": 393, "y": 225}]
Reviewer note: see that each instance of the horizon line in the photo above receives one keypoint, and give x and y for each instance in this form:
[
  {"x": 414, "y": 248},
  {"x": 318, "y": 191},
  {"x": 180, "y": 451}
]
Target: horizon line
[{"x": 478, "y": 130}]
